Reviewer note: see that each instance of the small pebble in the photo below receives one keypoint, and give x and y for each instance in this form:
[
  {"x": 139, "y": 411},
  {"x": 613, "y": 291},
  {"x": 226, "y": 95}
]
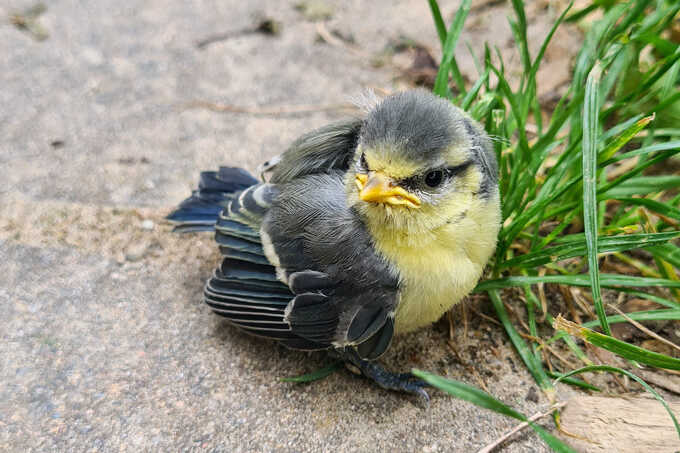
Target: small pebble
[
  {"x": 532, "y": 395},
  {"x": 136, "y": 252},
  {"x": 147, "y": 224}
]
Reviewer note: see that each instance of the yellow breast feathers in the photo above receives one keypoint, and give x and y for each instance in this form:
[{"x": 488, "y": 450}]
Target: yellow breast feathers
[{"x": 438, "y": 268}]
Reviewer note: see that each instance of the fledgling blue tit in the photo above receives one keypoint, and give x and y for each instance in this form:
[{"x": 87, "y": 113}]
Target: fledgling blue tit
[{"x": 366, "y": 229}]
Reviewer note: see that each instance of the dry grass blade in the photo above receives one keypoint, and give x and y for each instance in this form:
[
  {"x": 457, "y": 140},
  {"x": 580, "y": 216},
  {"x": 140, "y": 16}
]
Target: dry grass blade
[
  {"x": 495, "y": 444},
  {"x": 626, "y": 350},
  {"x": 654, "y": 335},
  {"x": 334, "y": 41}
]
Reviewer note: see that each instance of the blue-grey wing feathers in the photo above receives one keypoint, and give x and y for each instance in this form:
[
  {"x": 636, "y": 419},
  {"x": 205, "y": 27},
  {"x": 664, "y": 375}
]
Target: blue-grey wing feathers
[
  {"x": 215, "y": 188},
  {"x": 345, "y": 292},
  {"x": 338, "y": 291}
]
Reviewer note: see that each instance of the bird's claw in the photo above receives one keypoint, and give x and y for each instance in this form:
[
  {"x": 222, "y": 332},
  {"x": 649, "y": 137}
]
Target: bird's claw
[{"x": 401, "y": 382}]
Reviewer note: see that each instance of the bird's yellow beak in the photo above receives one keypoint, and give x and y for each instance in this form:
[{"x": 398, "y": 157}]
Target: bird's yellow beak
[{"x": 376, "y": 187}]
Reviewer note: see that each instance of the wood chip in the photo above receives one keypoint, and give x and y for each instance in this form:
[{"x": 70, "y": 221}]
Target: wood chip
[{"x": 624, "y": 425}]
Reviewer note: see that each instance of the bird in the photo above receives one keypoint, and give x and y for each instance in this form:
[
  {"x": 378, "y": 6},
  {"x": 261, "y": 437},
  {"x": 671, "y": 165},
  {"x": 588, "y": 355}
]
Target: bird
[{"x": 361, "y": 230}]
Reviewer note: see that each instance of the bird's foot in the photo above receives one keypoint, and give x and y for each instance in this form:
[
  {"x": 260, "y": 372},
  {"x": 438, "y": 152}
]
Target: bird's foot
[{"x": 400, "y": 382}]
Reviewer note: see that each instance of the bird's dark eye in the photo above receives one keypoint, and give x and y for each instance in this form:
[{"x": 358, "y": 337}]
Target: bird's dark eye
[
  {"x": 434, "y": 178},
  {"x": 363, "y": 162}
]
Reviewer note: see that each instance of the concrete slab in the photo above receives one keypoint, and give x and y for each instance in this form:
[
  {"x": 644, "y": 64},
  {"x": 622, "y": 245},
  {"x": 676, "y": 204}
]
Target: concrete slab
[{"x": 106, "y": 345}]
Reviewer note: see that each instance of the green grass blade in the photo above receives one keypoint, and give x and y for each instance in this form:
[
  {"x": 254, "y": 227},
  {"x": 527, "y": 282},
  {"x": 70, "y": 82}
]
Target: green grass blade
[
  {"x": 649, "y": 315},
  {"x": 532, "y": 305},
  {"x": 472, "y": 93},
  {"x": 577, "y": 247},
  {"x": 668, "y": 102},
  {"x": 624, "y": 137},
  {"x": 572, "y": 381},
  {"x": 558, "y": 229},
  {"x": 666, "y": 67},
  {"x": 654, "y": 298},
  {"x": 581, "y": 13},
  {"x": 533, "y": 364},
  {"x": 627, "y": 185},
  {"x": 442, "y": 81},
  {"x": 438, "y": 21},
  {"x": 515, "y": 109},
  {"x": 539, "y": 57},
  {"x": 667, "y": 132},
  {"x": 458, "y": 77},
  {"x": 646, "y": 386},
  {"x": 559, "y": 119},
  {"x": 661, "y": 45},
  {"x": 667, "y": 252},
  {"x": 673, "y": 145},
  {"x": 645, "y": 86},
  {"x": 519, "y": 29},
  {"x": 664, "y": 209},
  {"x": 486, "y": 401},
  {"x": 593, "y": 47},
  {"x": 468, "y": 393},
  {"x": 625, "y": 350},
  {"x": 590, "y": 208},
  {"x": 634, "y": 11},
  {"x": 620, "y": 128},
  {"x": 571, "y": 344},
  {"x": 606, "y": 280}
]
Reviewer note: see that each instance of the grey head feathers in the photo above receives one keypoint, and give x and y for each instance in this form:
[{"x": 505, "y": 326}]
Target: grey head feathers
[
  {"x": 420, "y": 126},
  {"x": 414, "y": 123},
  {"x": 483, "y": 155}
]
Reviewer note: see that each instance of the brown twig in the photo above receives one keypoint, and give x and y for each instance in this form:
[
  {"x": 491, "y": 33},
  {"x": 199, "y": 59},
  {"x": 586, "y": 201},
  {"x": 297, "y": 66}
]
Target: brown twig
[
  {"x": 468, "y": 367},
  {"x": 449, "y": 317},
  {"x": 559, "y": 356},
  {"x": 654, "y": 335},
  {"x": 265, "y": 25},
  {"x": 569, "y": 301},
  {"x": 579, "y": 297},
  {"x": 328, "y": 37},
  {"x": 217, "y": 37},
  {"x": 546, "y": 359},
  {"x": 489, "y": 448},
  {"x": 668, "y": 220},
  {"x": 465, "y": 321},
  {"x": 576, "y": 436},
  {"x": 486, "y": 317}
]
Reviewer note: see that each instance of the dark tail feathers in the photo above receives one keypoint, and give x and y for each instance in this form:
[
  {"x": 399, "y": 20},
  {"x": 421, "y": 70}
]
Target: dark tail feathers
[{"x": 200, "y": 211}]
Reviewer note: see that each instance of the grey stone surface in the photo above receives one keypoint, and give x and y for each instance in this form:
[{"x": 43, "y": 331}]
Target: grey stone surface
[
  {"x": 95, "y": 356},
  {"x": 106, "y": 345}
]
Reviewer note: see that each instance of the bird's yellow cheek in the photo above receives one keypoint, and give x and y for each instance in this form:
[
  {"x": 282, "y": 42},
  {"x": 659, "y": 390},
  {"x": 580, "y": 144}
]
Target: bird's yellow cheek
[{"x": 376, "y": 187}]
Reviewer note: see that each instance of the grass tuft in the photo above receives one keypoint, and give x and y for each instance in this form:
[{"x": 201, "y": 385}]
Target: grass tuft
[{"x": 590, "y": 186}]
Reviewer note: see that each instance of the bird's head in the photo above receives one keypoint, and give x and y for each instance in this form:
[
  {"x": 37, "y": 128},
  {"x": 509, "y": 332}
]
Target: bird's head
[{"x": 421, "y": 163}]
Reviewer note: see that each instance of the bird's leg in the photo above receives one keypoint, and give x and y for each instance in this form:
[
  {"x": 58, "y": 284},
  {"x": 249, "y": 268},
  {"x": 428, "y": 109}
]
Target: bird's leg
[{"x": 401, "y": 382}]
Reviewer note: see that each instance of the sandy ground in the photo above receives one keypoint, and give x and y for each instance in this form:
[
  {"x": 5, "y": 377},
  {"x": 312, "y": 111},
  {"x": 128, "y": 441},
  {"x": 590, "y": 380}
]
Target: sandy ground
[{"x": 106, "y": 345}]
